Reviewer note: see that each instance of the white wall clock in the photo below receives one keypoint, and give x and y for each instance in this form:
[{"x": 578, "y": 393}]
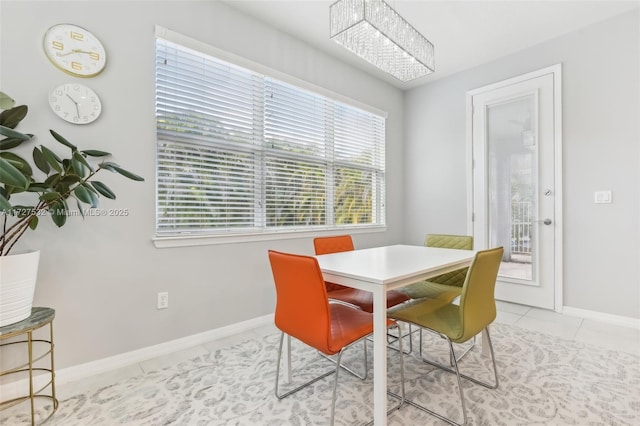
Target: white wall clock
[
  {"x": 74, "y": 50},
  {"x": 75, "y": 103}
]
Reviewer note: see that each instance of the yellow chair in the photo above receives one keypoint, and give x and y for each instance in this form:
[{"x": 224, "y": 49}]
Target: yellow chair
[
  {"x": 459, "y": 323},
  {"x": 446, "y": 286}
]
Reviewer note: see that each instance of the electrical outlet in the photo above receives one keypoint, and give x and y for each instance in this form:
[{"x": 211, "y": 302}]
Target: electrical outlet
[
  {"x": 602, "y": 197},
  {"x": 163, "y": 300}
]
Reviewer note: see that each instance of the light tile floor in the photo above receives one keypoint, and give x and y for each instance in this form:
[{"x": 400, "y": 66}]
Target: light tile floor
[{"x": 567, "y": 327}]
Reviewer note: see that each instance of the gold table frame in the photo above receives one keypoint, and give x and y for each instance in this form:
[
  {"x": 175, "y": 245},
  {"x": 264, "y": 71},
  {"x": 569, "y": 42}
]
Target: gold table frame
[{"x": 39, "y": 318}]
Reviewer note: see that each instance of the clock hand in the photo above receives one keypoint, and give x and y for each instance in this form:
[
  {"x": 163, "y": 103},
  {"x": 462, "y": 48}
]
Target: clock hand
[
  {"x": 73, "y": 51},
  {"x": 77, "y": 109}
]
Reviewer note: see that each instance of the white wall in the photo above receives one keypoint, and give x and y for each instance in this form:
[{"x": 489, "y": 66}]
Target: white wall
[
  {"x": 601, "y": 140},
  {"x": 102, "y": 274}
]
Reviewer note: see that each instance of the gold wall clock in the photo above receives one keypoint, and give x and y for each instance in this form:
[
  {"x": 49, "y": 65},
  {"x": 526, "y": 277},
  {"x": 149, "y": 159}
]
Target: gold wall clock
[
  {"x": 74, "y": 50},
  {"x": 75, "y": 103}
]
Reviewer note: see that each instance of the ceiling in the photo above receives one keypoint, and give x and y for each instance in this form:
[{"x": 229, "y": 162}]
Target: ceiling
[{"x": 465, "y": 33}]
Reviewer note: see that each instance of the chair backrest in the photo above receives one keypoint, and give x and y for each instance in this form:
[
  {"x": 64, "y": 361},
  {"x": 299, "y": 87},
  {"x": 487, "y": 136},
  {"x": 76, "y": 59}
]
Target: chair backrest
[
  {"x": 477, "y": 301},
  {"x": 461, "y": 242},
  {"x": 334, "y": 244},
  {"x": 302, "y": 307}
]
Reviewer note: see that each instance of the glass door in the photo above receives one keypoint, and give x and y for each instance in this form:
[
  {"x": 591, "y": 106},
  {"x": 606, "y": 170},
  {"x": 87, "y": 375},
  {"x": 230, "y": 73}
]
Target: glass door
[{"x": 514, "y": 179}]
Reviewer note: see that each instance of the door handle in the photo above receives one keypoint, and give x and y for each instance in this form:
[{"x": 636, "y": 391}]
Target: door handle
[{"x": 545, "y": 221}]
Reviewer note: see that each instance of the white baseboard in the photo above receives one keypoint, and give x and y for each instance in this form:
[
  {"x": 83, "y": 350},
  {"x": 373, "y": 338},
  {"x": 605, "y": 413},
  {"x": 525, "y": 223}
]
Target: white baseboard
[
  {"x": 76, "y": 372},
  {"x": 602, "y": 317}
]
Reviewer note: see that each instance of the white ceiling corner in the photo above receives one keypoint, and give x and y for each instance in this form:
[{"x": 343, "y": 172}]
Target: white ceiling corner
[{"x": 465, "y": 33}]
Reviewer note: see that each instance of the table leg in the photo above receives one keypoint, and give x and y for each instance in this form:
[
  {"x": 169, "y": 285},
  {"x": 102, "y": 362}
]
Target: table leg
[{"x": 380, "y": 356}]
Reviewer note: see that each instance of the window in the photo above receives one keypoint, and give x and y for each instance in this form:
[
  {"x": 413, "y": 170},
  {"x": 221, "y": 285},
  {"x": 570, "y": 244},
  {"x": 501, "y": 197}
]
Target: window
[{"x": 243, "y": 152}]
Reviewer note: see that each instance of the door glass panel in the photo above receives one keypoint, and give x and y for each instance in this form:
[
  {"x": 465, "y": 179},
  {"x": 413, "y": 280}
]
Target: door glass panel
[{"x": 513, "y": 171}]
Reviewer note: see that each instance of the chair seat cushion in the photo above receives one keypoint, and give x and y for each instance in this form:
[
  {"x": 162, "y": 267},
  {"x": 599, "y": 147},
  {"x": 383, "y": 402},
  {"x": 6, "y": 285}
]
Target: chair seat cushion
[
  {"x": 432, "y": 290},
  {"x": 364, "y": 299},
  {"x": 333, "y": 286},
  {"x": 436, "y": 314},
  {"x": 348, "y": 325}
]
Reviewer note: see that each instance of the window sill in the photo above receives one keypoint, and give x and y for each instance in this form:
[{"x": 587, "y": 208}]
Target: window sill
[{"x": 206, "y": 240}]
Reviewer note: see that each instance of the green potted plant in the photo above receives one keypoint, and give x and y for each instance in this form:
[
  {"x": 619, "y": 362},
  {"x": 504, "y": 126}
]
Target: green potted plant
[{"x": 32, "y": 190}]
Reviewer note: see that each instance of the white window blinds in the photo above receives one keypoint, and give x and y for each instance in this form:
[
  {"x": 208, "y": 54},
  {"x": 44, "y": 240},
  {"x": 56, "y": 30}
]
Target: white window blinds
[{"x": 238, "y": 151}]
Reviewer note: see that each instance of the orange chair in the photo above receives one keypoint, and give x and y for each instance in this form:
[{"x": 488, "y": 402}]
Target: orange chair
[
  {"x": 303, "y": 311},
  {"x": 360, "y": 298}
]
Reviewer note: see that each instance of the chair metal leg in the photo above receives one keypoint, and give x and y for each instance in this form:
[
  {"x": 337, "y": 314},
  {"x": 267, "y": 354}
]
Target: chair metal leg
[
  {"x": 335, "y": 388},
  {"x": 362, "y": 376},
  {"x": 281, "y": 396},
  {"x": 474, "y": 380},
  {"x": 336, "y": 371},
  {"x": 451, "y": 355},
  {"x": 466, "y": 351},
  {"x": 392, "y": 339},
  {"x": 402, "y": 388},
  {"x": 459, "y": 376},
  {"x": 460, "y": 392}
]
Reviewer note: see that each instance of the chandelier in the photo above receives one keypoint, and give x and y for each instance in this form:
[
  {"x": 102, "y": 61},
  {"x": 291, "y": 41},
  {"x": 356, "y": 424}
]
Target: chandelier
[{"x": 374, "y": 31}]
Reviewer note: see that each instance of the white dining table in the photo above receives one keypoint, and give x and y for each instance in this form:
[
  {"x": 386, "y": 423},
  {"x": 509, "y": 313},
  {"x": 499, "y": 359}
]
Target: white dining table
[{"x": 379, "y": 270}]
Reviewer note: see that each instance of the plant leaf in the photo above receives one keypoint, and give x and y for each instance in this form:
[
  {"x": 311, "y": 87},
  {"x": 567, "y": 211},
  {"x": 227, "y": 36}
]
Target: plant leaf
[
  {"x": 6, "y": 101},
  {"x": 11, "y": 175},
  {"x": 58, "y": 213},
  {"x": 63, "y": 141},
  {"x": 33, "y": 222},
  {"x": 10, "y": 133},
  {"x": 95, "y": 153},
  {"x": 71, "y": 179},
  {"x": 115, "y": 168},
  {"x": 51, "y": 157},
  {"x": 41, "y": 161},
  {"x": 86, "y": 196},
  {"x": 77, "y": 167},
  {"x": 10, "y": 143},
  {"x": 37, "y": 187},
  {"x": 103, "y": 189},
  {"x": 5, "y": 205},
  {"x": 11, "y": 117},
  {"x": 50, "y": 196},
  {"x": 78, "y": 157},
  {"x": 52, "y": 180},
  {"x": 19, "y": 162}
]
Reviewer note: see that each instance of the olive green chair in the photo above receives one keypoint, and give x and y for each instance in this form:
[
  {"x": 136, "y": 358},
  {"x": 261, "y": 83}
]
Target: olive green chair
[
  {"x": 459, "y": 323},
  {"x": 446, "y": 286}
]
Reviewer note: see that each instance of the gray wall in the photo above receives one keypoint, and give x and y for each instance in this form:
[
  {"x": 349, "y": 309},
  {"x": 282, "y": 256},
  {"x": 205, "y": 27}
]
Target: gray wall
[
  {"x": 601, "y": 140},
  {"x": 102, "y": 274}
]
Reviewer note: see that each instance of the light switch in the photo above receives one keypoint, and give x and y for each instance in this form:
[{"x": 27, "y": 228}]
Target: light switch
[{"x": 602, "y": 197}]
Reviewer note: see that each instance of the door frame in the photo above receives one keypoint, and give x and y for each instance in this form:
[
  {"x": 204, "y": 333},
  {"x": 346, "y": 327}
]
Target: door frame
[{"x": 556, "y": 71}]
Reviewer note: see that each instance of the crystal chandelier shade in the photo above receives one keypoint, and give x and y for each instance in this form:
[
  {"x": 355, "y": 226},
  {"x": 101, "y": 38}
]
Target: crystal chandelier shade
[{"x": 374, "y": 31}]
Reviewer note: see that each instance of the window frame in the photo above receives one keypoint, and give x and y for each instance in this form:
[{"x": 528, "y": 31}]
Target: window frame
[{"x": 229, "y": 236}]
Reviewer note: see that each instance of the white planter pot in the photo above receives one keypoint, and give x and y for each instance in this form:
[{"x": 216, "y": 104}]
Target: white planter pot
[{"x": 18, "y": 274}]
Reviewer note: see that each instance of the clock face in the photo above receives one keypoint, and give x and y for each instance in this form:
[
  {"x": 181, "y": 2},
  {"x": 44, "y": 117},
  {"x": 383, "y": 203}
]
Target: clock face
[
  {"x": 75, "y": 103},
  {"x": 74, "y": 50}
]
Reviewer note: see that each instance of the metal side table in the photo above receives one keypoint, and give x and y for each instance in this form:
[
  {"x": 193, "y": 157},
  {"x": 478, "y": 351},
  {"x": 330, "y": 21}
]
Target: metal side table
[{"x": 40, "y": 317}]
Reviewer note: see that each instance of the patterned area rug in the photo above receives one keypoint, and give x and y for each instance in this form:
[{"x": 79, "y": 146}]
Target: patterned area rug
[{"x": 544, "y": 380}]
